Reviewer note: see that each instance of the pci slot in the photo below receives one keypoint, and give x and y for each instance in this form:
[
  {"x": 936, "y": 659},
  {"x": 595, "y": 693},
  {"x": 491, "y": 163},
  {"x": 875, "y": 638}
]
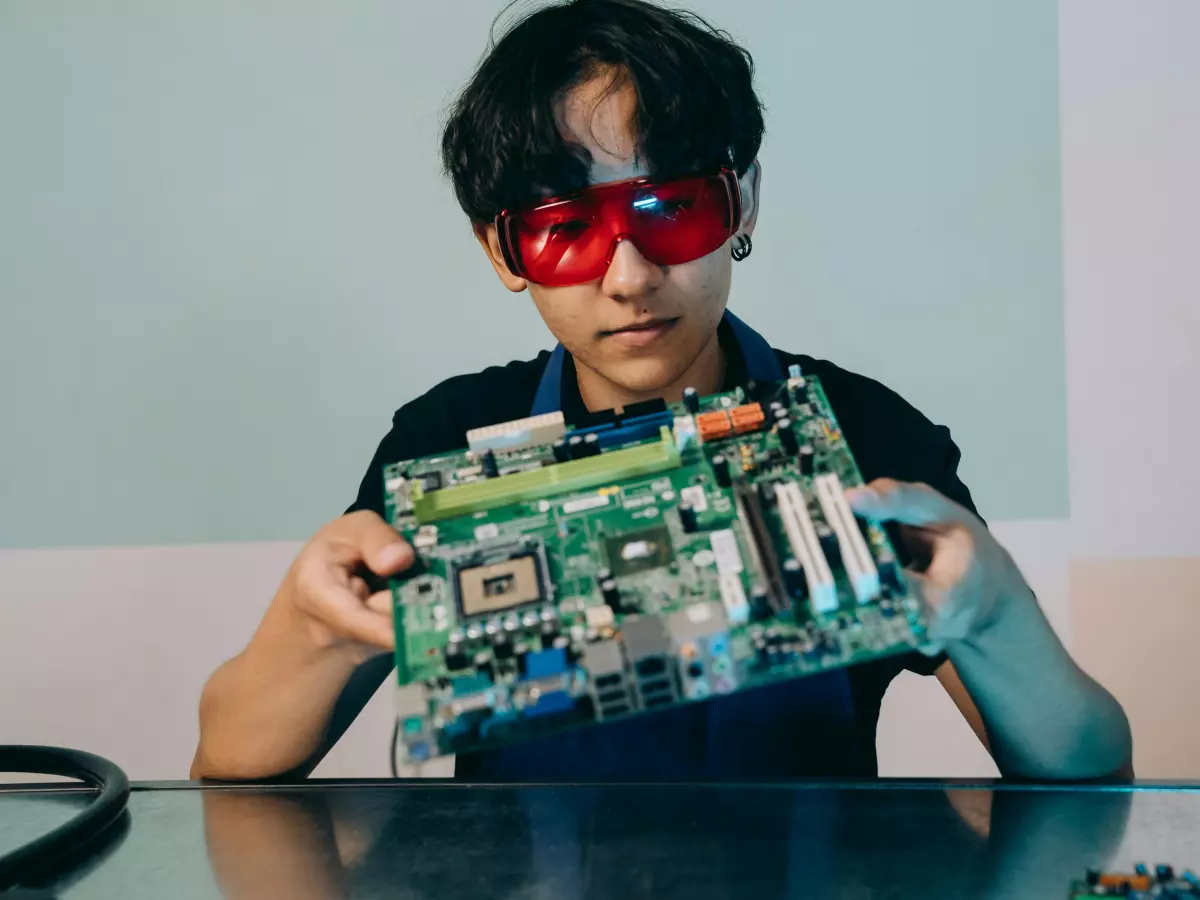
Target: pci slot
[
  {"x": 856, "y": 557},
  {"x": 535, "y": 484},
  {"x": 761, "y": 547},
  {"x": 802, "y": 536}
]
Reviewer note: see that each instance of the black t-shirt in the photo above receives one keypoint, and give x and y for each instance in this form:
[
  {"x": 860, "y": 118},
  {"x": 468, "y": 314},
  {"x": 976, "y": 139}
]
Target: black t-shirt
[{"x": 887, "y": 435}]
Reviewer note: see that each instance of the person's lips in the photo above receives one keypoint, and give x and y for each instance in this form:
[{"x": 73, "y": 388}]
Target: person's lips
[{"x": 640, "y": 334}]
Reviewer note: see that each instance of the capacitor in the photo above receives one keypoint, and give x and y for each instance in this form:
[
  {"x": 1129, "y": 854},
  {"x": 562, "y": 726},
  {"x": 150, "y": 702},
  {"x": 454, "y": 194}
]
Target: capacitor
[
  {"x": 800, "y": 392},
  {"x": 490, "y": 469},
  {"x": 721, "y": 470},
  {"x": 502, "y": 647},
  {"x": 760, "y": 604},
  {"x": 562, "y": 452},
  {"x": 612, "y": 594},
  {"x": 794, "y": 581},
  {"x": 575, "y": 446},
  {"x": 687, "y": 518},
  {"x": 484, "y": 665},
  {"x": 787, "y": 437},
  {"x": 829, "y": 544},
  {"x": 691, "y": 400},
  {"x": 807, "y": 458},
  {"x": 549, "y": 634},
  {"x": 591, "y": 445},
  {"x": 455, "y": 658}
]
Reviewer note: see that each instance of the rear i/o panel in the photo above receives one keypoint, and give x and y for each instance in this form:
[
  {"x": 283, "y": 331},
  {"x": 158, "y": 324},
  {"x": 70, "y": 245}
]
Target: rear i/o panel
[{"x": 651, "y": 556}]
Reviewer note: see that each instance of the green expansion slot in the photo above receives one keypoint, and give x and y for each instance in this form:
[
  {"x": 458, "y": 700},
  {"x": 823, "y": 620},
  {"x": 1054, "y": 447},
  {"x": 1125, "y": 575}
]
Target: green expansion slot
[{"x": 648, "y": 557}]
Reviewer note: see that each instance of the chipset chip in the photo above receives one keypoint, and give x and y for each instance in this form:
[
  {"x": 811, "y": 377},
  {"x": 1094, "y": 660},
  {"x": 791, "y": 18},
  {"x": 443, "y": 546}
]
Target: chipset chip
[
  {"x": 499, "y": 586},
  {"x": 639, "y": 551}
]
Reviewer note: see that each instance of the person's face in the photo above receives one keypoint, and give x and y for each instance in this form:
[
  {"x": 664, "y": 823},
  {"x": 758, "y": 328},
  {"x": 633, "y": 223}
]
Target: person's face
[{"x": 640, "y": 326}]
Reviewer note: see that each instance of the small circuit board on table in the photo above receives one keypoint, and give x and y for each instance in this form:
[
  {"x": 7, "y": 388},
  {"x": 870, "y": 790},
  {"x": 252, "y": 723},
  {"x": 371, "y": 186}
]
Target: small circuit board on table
[
  {"x": 1140, "y": 884},
  {"x": 648, "y": 557}
]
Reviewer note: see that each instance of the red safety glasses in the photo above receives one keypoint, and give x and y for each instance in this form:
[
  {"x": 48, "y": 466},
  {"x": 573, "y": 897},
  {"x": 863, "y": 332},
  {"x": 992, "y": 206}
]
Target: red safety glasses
[{"x": 572, "y": 240}]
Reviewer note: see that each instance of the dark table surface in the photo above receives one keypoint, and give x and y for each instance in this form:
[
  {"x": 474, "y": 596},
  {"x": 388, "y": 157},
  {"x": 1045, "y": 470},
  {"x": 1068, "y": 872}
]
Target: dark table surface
[{"x": 412, "y": 840}]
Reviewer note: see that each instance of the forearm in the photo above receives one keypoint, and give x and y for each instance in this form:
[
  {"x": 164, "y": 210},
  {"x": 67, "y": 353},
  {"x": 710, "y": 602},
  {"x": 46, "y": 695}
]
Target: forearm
[
  {"x": 266, "y": 710},
  {"x": 1045, "y": 717}
]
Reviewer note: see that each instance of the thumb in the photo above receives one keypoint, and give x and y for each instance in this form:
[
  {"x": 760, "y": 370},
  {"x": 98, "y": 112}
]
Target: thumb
[
  {"x": 376, "y": 542},
  {"x": 888, "y": 500}
]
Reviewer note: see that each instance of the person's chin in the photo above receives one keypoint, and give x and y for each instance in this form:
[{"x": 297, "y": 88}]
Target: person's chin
[{"x": 649, "y": 375}]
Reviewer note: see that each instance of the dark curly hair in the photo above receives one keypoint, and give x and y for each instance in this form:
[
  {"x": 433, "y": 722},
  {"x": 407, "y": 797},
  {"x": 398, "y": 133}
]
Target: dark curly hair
[{"x": 696, "y": 105}]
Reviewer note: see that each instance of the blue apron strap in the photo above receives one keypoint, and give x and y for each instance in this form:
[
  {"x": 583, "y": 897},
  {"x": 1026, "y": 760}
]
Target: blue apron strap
[{"x": 548, "y": 398}]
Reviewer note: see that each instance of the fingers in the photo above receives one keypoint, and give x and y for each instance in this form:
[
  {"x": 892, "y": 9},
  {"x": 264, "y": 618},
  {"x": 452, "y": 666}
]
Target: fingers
[
  {"x": 888, "y": 500},
  {"x": 362, "y": 624},
  {"x": 333, "y": 580},
  {"x": 381, "y": 602},
  {"x": 375, "y": 542},
  {"x": 344, "y": 607}
]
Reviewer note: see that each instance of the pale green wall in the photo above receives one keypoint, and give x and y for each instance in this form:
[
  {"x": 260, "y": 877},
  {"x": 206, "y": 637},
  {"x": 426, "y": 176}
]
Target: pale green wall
[{"x": 226, "y": 257}]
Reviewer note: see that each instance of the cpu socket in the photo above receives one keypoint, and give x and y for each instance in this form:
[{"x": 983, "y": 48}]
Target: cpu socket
[{"x": 501, "y": 579}]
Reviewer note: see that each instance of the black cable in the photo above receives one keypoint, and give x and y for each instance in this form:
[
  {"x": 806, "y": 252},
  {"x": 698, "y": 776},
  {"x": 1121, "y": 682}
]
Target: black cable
[
  {"x": 72, "y": 837},
  {"x": 395, "y": 744}
]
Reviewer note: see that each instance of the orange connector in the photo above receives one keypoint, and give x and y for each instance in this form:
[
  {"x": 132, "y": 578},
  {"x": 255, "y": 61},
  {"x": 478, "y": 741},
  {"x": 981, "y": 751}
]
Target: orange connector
[
  {"x": 749, "y": 417},
  {"x": 714, "y": 425}
]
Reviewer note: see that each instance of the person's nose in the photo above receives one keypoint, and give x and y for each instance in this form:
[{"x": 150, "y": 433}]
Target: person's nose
[{"x": 630, "y": 275}]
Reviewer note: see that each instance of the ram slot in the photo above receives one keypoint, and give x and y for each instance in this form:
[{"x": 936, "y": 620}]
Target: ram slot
[
  {"x": 856, "y": 557},
  {"x": 802, "y": 537},
  {"x": 766, "y": 560},
  {"x": 548, "y": 481}
]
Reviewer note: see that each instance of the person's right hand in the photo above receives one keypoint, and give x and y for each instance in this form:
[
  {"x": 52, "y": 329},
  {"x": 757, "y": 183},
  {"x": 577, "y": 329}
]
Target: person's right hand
[{"x": 325, "y": 592}]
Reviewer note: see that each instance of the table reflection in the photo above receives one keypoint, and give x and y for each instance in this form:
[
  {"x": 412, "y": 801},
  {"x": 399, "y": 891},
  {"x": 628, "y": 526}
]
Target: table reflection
[{"x": 654, "y": 841}]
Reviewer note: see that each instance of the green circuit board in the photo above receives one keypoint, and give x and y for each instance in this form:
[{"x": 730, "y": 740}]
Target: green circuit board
[
  {"x": 1143, "y": 883},
  {"x": 651, "y": 556}
]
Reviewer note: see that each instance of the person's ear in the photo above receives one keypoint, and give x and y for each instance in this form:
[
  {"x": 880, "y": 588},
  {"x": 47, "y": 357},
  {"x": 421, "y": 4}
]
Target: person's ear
[
  {"x": 750, "y": 184},
  {"x": 490, "y": 242}
]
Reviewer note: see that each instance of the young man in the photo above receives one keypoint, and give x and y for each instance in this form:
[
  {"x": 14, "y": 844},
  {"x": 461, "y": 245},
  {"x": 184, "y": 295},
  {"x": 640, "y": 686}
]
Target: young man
[{"x": 632, "y": 281}]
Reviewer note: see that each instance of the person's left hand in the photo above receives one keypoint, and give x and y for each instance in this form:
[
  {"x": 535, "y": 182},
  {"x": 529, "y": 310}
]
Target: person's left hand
[{"x": 963, "y": 575}]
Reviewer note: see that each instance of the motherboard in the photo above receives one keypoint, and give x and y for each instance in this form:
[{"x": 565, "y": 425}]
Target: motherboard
[
  {"x": 650, "y": 556},
  {"x": 1140, "y": 884}
]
